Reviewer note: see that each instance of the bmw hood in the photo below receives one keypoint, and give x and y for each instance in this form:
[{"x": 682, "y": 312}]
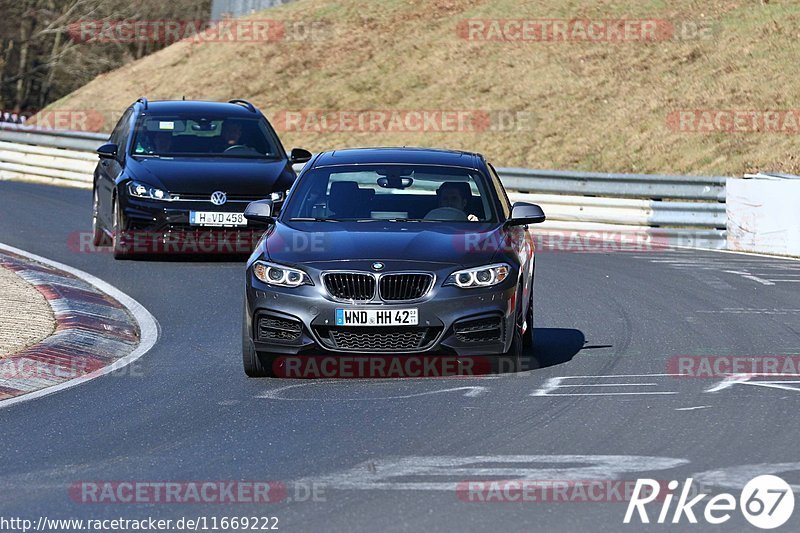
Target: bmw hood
[
  {"x": 205, "y": 175},
  {"x": 311, "y": 242}
]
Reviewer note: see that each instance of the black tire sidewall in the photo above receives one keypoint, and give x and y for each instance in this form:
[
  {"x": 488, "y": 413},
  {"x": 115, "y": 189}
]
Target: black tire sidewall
[{"x": 120, "y": 251}]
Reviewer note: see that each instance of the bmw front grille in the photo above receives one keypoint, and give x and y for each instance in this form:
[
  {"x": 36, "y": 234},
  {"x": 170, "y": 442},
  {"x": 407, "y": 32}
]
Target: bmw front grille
[{"x": 365, "y": 287}]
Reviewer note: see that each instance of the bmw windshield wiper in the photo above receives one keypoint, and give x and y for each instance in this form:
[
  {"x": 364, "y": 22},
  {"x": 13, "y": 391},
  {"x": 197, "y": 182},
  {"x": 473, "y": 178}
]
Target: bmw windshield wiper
[{"x": 313, "y": 219}]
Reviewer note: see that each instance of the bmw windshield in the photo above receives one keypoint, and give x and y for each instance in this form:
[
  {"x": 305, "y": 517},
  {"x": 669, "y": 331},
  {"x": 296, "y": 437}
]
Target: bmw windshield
[{"x": 406, "y": 193}]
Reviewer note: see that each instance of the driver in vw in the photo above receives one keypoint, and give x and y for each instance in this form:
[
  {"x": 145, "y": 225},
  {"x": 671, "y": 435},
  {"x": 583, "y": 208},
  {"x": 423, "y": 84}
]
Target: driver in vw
[{"x": 230, "y": 135}]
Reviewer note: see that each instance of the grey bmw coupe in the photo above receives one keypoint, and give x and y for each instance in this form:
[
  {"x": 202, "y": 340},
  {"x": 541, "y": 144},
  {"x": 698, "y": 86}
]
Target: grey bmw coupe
[{"x": 393, "y": 252}]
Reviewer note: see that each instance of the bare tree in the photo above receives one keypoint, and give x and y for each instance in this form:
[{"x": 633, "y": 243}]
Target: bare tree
[{"x": 42, "y": 58}]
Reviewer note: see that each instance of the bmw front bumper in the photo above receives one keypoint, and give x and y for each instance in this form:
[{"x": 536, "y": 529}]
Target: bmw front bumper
[{"x": 451, "y": 320}]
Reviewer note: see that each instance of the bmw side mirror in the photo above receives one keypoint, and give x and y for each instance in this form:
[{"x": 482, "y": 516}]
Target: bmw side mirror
[
  {"x": 299, "y": 155},
  {"x": 260, "y": 211},
  {"x": 108, "y": 151},
  {"x": 523, "y": 213}
]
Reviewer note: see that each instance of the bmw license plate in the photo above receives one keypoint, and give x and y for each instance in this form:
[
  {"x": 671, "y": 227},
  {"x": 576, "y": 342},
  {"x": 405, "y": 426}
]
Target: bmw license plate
[
  {"x": 376, "y": 317},
  {"x": 216, "y": 218}
]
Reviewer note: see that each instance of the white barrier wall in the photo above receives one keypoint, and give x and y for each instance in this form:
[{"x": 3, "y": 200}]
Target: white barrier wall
[{"x": 764, "y": 214}]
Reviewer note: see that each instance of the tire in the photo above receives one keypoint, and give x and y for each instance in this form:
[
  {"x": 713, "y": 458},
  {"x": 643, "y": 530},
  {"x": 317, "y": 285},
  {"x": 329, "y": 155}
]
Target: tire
[
  {"x": 255, "y": 365},
  {"x": 527, "y": 340},
  {"x": 99, "y": 235},
  {"x": 121, "y": 251},
  {"x": 511, "y": 361}
]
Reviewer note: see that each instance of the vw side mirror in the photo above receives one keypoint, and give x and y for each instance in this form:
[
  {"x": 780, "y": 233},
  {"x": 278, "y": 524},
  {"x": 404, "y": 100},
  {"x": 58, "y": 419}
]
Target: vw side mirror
[{"x": 108, "y": 151}]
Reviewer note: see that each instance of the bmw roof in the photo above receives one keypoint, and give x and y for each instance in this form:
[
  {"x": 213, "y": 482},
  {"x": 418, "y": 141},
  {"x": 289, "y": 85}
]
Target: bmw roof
[{"x": 403, "y": 156}]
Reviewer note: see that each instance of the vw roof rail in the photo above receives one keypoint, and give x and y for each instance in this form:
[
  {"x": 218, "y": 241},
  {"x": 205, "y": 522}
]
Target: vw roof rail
[
  {"x": 244, "y": 103},
  {"x": 143, "y": 100}
]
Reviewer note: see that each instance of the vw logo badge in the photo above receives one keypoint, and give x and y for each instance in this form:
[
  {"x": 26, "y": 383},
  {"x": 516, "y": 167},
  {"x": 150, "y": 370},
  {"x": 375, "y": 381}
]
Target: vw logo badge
[
  {"x": 219, "y": 198},
  {"x": 377, "y": 265}
]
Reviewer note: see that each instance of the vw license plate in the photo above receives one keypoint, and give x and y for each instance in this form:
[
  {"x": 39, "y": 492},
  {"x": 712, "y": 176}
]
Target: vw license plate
[
  {"x": 376, "y": 317},
  {"x": 216, "y": 218}
]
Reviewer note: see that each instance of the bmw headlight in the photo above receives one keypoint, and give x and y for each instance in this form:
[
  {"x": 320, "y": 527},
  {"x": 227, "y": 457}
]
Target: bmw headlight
[
  {"x": 485, "y": 276},
  {"x": 280, "y": 275},
  {"x": 141, "y": 190}
]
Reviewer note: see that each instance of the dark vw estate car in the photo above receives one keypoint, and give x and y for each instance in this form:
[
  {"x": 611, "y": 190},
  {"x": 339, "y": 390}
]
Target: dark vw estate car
[
  {"x": 173, "y": 172},
  {"x": 390, "y": 251}
]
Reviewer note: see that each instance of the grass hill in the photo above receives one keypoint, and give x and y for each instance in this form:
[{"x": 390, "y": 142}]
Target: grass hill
[{"x": 577, "y": 104}]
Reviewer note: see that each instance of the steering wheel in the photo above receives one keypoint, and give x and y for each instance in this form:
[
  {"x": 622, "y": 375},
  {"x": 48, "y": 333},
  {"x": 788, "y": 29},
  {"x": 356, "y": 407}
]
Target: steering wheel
[
  {"x": 237, "y": 147},
  {"x": 446, "y": 214}
]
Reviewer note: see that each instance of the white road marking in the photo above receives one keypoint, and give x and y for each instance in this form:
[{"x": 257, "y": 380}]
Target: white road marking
[
  {"x": 728, "y": 382},
  {"x": 693, "y": 408},
  {"x": 748, "y": 266},
  {"x": 393, "y": 473},
  {"x": 557, "y": 383},
  {"x": 747, "y": 379},
  {"x": 616, "y": 385},
  {"x": 750, "y": 311},
  {"x": 736, "y": 477},
  {"x": 277, "y": 394},
  {"x": 690, "y": 250},
  {"x": 747, "y": 275},
  {"x": 148, "y": 327}
]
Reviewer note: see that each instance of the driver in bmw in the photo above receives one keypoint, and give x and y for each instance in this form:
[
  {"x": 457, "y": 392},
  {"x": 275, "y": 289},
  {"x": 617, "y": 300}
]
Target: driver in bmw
[{"x": 451, "y": 195}]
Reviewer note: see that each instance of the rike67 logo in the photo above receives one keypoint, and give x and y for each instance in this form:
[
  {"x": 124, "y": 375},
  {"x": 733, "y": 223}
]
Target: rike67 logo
[{"x": 767, "y": 502}]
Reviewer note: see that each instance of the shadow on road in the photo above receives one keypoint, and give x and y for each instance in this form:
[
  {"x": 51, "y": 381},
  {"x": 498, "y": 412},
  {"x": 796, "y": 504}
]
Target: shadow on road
[{"x": 555, "y": 346}]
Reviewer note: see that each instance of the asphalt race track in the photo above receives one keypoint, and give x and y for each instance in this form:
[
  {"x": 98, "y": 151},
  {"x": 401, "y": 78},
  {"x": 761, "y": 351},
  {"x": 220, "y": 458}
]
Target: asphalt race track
[{"x": 387, "y": 454}]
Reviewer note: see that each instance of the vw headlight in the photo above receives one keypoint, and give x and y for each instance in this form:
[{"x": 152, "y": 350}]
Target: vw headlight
[
  {"x": 485, "y": 276},
  {"x": 141, "y": 190},
  {"x": 280, "y": 275}
]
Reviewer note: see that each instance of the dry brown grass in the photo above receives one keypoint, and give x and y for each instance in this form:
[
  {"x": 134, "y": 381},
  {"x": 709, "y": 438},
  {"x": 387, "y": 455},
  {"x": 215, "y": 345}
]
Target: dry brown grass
[{"x": 597, "y": 106}]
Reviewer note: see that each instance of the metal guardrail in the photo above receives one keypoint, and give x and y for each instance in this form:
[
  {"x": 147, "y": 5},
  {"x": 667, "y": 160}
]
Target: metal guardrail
[
  {"x": 682, "y": 210},
  {"x": 705, "y": 188},
  {"x": 73, "y": 140},
  {"x": 686, "y": 210}
]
